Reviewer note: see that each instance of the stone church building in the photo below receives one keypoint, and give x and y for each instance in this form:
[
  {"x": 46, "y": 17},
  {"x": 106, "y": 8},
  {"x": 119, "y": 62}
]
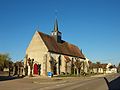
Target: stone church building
[{"x": 52, "y": 54}]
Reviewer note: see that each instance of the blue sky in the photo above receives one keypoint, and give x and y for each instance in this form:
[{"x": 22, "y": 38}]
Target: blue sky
[{"x": 92, "y": 25}]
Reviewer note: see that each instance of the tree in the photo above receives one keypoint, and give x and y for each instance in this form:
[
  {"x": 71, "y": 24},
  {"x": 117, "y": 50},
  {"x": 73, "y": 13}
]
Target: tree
[
  {"x": 17, "y": 68},
  {"x": 98, "y": 66},
  {"x": 30, "y": 61},
  {"x": 66, "y": 61},
  {"x": 26, "y": 67},
  {"x": 118, "y": 68},
  {"x": 5, "y": 61},
  {"x": 78, "y": 65},
  {"x": 72, "y": 67},
  {"x": 85, "y": 67}
]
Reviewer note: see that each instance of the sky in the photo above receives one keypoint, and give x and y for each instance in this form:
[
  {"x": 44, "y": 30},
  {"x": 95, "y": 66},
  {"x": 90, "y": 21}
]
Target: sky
[{"x": 92, "y": 25}]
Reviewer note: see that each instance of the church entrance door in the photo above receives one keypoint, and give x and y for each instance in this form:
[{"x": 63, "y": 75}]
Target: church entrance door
[{"x": 35, "y": 68}]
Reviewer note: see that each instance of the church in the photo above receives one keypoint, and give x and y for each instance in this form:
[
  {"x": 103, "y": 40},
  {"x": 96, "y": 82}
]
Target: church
[{"x": 52, "y": 54}]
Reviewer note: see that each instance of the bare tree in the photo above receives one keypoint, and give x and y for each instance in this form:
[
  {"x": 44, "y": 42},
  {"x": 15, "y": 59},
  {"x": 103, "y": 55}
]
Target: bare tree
[
  {"x": 78, "y": 65},
  {"x": 30, "y": 61},
  {"x": 66, "y": 61}
]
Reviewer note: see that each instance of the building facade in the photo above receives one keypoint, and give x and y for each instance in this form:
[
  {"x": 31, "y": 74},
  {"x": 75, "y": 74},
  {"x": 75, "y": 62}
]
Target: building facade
[{"x": 52, "y": 54}]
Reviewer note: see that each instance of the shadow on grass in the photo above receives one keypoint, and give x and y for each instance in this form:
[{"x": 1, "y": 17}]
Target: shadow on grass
[
  {"x": 114, "y": 84},
  {"x": 5, "y": 78}
]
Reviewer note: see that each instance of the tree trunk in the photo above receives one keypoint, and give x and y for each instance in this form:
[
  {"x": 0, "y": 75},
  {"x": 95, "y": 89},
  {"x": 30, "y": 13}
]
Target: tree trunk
[
  {"x": 30, "y": 71},
  {"x": 18, "y": 72},
  {"x": 77, "y": 72},
  {"x": 66, "y": 68},
  {"x": 14, "y": 70},
  {"x": 9, "y": 71},
  {"x": 74, "y": 71}
]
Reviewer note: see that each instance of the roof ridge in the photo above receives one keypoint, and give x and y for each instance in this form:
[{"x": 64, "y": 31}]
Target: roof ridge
[{"x": 43, "y": 33}]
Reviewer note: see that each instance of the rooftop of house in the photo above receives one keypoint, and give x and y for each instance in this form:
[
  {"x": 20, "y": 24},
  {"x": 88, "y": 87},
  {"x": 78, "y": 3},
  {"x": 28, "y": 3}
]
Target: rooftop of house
[
  {"x": 95, "y": 65},
  {"x": 103, "y": 65},
  {"x": 61, "y": 48}
]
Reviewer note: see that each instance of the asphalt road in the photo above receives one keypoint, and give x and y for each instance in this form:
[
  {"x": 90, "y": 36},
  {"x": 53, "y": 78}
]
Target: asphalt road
[{"x": 89, "y": 83}]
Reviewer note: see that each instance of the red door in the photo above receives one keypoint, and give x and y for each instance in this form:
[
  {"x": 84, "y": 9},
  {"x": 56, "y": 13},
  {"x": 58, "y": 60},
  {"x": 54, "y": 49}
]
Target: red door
[{"x": 35, "y": 68}]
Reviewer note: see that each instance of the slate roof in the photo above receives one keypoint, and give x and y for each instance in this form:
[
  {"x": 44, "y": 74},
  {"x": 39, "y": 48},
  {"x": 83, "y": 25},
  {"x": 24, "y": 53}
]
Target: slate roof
[{"x": 61, "y": 48}]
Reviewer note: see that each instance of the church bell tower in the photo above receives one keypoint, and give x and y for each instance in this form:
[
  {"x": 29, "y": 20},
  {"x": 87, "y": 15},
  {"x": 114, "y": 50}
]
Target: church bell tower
[{"x": 55, "y": 33}]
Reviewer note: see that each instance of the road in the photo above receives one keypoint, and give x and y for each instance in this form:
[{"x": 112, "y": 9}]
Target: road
[{"x": 87, "y": 83}]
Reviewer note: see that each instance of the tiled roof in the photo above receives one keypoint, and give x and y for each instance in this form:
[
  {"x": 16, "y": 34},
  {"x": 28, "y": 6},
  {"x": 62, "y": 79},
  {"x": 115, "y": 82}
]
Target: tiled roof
[
  {"x": 61, "y": 48},
  {"x": 94, "y": 65},
  {"x": 104, "y": 65}
]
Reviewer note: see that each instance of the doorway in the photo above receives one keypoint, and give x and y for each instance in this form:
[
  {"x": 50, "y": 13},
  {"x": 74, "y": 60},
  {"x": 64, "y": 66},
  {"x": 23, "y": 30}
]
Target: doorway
[{"x": 35, "y": 68}]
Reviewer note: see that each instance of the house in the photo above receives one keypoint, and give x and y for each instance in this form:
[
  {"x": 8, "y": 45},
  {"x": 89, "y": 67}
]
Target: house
[
  {"x": 111, "y": 68},
  {"x": 102, "y": 68},
  {"x": 49, "y": 53},
  {"x": 96, "y": 68}
]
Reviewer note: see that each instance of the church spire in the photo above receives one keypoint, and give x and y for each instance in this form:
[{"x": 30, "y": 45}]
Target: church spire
[
  {"x": 55, "y": 33},
  {"x": 56, "y": 26}
]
